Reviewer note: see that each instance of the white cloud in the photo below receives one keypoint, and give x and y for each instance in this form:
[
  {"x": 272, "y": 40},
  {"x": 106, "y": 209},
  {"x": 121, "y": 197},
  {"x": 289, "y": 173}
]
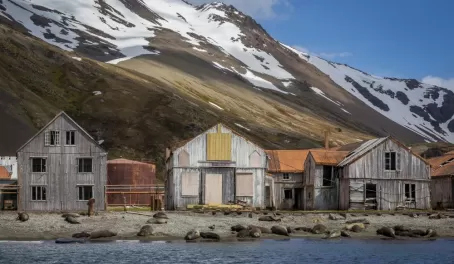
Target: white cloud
[
  {"x": 255, "y": 8},
  {"x": 446, "y": 83},
  {"x": 325, "y": 55}
]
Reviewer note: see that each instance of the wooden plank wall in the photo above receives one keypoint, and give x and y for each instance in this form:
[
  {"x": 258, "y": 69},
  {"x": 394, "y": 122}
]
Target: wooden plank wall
[
  {"x": 62, "y": 177},
  {"x": 371, "y": 169},
  {"x": 280, "y": 184},
  {"x": 441, "y": 192}
]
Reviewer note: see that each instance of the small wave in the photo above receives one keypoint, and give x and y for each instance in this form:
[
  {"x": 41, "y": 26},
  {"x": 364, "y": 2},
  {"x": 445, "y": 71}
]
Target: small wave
[{"x": 22, "y": 242}]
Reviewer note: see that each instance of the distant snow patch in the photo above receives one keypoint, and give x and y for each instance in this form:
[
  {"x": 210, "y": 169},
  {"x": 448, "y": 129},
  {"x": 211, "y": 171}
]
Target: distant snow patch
[
  {"x": 238, "y": 125},
  {"x": 138, "y": 53},
  {"x": 259, "y": 82},
  {"x": 216, "y": 106},
  {"x": 77, "y": 58},
  {"x": 322, "y": 94},
  {"x": 346, "y": 111},
  {"x": 201, "y": 50},
  {"x": 97, "y": 92},
  {"x": 286, "y": 83},
  {"x": 219, "y": 66}
]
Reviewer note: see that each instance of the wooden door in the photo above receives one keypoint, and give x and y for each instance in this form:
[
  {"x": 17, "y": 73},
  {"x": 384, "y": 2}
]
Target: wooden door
[
  {"x": 309, "y": 198},
  {"x": 213, "y": 188}
]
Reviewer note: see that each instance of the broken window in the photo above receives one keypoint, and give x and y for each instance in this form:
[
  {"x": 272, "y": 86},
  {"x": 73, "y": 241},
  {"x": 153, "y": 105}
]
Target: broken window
[
  {"x": 52, "y": 138},
  {"x": 38, "y": 193},
  {"x": 410, "y": 191},
  {"x": 85, "y": 193},
  {"x": 327, "y": 176},
  {"x": 288, "y": 194}
]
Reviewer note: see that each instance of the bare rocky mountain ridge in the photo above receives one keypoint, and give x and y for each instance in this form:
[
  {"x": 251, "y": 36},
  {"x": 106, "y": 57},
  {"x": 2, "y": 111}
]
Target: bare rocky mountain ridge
[{"x": 182, "y": 68}]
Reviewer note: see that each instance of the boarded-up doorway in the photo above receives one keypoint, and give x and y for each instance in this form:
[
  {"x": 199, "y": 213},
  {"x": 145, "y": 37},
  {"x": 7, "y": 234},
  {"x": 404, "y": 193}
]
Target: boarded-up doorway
[{"x": 213, "y": 189}]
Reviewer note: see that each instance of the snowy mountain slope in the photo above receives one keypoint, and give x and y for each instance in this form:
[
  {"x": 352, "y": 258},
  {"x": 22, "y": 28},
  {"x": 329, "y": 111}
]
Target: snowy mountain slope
[
  {"x": 425, "y": 109},
  {"x": 121, "y": 31}
]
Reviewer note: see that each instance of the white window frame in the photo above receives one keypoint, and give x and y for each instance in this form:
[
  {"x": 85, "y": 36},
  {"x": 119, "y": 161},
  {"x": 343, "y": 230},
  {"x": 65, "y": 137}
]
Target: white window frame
[
  {"x": 45, "y": 166},
  {"x": 286, "y": 176},
  {"x": 83, "y": 192},
  {"x": 42, "y": 190},
  {"x": 78, "y": 163},
  {"x": 410, "y": 192},
  {"x": 48, "y": 136},
  {"x": 397, "y": 160},
  {"x": 73, "y": 133}
]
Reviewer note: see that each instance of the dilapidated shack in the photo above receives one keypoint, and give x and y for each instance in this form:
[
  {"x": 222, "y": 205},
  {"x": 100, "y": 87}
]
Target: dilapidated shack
[
  {"x": 442, "y": 181},
  {"x": 383, "y": 174},
  {"x": 218, "y": 166}
]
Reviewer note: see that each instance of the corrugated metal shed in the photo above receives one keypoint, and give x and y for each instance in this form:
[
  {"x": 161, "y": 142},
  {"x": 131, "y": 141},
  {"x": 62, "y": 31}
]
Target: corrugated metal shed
[{"x": 361, "y": 150}]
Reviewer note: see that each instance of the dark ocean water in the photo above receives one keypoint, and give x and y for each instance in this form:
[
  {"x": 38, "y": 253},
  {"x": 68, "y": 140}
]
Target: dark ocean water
[{"x": 266, "y": 251}]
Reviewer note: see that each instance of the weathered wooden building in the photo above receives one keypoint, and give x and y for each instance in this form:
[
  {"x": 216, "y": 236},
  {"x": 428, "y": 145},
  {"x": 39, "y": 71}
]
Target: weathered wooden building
[
  {"x": 287, "y": 168},
  {"x": 320, "y": 182},
  {"x": 442, "y": 181},
  {"x": 216, "y": 167},
  {"x": 60, "y": 168},
  {"x": 383, "y": 174}
]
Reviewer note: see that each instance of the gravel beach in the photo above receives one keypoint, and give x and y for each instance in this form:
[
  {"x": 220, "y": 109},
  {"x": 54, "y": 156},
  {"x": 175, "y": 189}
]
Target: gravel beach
[{"x": 48, "y": 226}]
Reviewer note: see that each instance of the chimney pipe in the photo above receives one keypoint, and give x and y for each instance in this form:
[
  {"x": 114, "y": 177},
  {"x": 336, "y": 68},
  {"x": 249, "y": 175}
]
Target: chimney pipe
[
  {"x": 326, "y": 139},
  {"x": 167, "y": 153}
]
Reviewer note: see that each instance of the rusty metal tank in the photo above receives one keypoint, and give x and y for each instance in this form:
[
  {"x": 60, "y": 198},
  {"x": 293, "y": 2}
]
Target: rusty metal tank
[{"x": 129, "y": 182}]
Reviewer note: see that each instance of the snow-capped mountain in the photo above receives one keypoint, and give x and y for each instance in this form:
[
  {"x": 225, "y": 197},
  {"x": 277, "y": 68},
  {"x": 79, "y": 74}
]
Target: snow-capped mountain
[{"x": 122, "y": 31}]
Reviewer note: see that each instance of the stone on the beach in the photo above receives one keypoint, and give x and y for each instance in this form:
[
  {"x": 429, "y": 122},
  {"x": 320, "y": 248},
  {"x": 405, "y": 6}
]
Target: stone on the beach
[
  {"x": 227, "y": 212},
  {"x": 413, "y": 215},
  {"x": 345, "y": 234},
  {"x": 255, "y": 232},
  {"x": 268, "y": 218},
  {"x": 160, "y": 215},
  {"x": 22, "y": 217},
  {"x": 81, "y": 235},
  {"x": 291, "y": 229},
  {"x": 264, "y": 230},
  {"x": 243, "y": 233},
  {"x": 210, "y": 235},
  {"x": 360, "y": 220},
  {"x": 344, "y": 215},
  {"x": 212, "y": 227},
  {"x": 335, "y": 217},
  {"x": 102, "y": 233},
  {"x": 161, "y": 220},
  {"x": 192, "y": 235},
  {"x": 333, "y": 234},
  {"x": 318, "y": 229},
  {"x": 357, "y": 228},
  {"x": 146, "y": 230},
  {"x": 69, "y": 241},
  {"x": 238, "y": 228},
  {"x": 250, "y": 215},
  {"x": 75, "y": 215},
  {"x": 72, "y": 220},
  {"x": 386, "y": 231},
  {"x": 279, "y": 230},
  {"x": 431, "y": 233}
]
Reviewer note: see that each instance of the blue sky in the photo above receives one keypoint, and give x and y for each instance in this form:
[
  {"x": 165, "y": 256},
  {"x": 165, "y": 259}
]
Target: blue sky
[{"x": 394, "y": 38}]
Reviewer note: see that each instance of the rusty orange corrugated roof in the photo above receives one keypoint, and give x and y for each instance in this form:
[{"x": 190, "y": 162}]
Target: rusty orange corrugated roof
[
  {"x": 443, "y": 165},
  {"x": 126, "y": 161},
  {"x": 328, "y": 157},
  {"x": 4, "y": 174},
  {"x": 287, "y": 160}
]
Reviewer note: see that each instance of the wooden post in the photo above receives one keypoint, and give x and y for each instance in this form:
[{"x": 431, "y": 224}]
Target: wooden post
[
  {"x": 105, "y": 198},
  {"x": 91, "y": 205},
  {"x": 124, "y": 201}
]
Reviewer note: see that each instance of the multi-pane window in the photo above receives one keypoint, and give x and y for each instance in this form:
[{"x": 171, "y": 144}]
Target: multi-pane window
[
  {"x": 85, "y": 165},
  {"x": 39, "y": 165},
  {"x": 392, "y": 161},
  {"x": 286, "y": 176},
  {"x": 410, "y": 191},
  {"x": 52, "y": 138},
  {"x": 85, "y": 193},
  {"x": 39, "y": 193},
  {"x": 70, "y": 138}
]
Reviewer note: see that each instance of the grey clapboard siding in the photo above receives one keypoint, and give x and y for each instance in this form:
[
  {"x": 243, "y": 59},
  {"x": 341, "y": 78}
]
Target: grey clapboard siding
[
  {"x": 61, "y": 177},
  {"x": 294, "y": 183},
  {"x": 246, "y": 158}
]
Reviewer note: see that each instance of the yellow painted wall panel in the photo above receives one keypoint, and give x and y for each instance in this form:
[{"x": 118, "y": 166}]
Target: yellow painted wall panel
[{"x": 219, "y": 146}]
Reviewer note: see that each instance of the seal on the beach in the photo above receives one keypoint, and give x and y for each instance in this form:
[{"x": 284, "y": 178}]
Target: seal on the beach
[
  {"x": 72, "y": 220},
  {"x": 386, "y": 231},
  {"x": 335, "y": 217},
  {"x": 333, "y": 234},
  {"x": 22, "y": 216},
  {"x": 243, "y": 233},
  {"x": 263, "y": 230},
  {"x": 269, "y": 218},
  {"x": 431, "y": 233},
  {"x": 357, "y": 228},
  {"x": 356, "y": 221},
  {"x": 400, "y": 228},
  {"x": 279, "y": 230},
  {"x": 75, "y": 215},
  {"x": 81, "y": 235},
  {"x": 146, "y": 230},
  {"x": 345, "y": 234},
  {"x": 255, "y": 232},
  {"x": 102, "y": 233},
  {"x": 238, "y": 228},
  {"x": 192, "y": 235},
  {"x": 210, "y": 235},
  {"x": 318, "y": 229},
  {"x": 160, "y": 215}
]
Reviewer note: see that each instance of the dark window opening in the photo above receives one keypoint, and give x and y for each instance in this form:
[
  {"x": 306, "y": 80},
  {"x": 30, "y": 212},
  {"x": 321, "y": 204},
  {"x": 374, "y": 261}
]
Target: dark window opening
[
  {"x": 286, "y": 176},
  {"x": 371, "y": 190},
  {"x": 410, "y": 191},
  {"x": 327, "y": 176},
  {"x": 38, "y": 165},
  {"x": 390, "y": 161},
  {"x": 85, "y": 165},
  {"x": 288, "y": 194},
  {"x": 38, "y": 193},
  {"x": 70, "y": 138},
  {"x": 85, "y": 193}
]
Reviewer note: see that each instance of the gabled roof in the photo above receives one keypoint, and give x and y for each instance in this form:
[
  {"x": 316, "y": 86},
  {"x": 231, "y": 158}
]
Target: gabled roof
[
  {"x": 287, "y": 160},
  {"x": 327, "y": 157},
  {"x": 62, "y": 113},
  {"x": 443, "y": 165},
  {"x": 361, "y": 150}
]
